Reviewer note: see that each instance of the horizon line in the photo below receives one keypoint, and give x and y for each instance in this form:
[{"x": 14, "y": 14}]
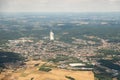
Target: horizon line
[{"x": 63, "y": 12}]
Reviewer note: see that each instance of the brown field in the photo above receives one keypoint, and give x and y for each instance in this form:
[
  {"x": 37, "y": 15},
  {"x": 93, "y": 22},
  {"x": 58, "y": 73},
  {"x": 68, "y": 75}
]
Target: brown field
[{"x": 56, "y": 74}]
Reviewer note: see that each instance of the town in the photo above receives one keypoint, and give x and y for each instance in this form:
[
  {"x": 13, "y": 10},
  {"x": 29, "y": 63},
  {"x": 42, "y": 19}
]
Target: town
[
  {"x": 80, "y": 55},
  {"x": 70, "y": 42}
]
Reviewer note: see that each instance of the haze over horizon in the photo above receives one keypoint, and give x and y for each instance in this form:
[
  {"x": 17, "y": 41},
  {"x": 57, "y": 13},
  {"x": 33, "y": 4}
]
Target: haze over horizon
[{"x": 59, "y": 5}]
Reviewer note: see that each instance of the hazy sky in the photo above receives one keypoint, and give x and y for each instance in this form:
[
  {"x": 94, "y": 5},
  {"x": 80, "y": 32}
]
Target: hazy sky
[{"x": 59, "y": 5}]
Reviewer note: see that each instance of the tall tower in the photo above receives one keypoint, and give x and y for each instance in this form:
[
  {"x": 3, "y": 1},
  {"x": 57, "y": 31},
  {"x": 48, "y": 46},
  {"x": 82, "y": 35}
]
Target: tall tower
[{"x": 51, "y": 35}]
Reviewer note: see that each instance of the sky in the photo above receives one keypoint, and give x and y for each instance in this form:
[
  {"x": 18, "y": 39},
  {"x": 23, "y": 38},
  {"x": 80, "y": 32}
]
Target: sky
[{"x": 59, "y": 5}]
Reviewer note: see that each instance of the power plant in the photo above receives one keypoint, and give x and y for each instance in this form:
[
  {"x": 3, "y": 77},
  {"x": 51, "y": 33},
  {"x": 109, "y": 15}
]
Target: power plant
[{"x": 51, "y": 35}]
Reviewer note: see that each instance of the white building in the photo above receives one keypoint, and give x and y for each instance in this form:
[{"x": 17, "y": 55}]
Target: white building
[
  {"x": 76, "y": 64},
  {"x": 51, "y": 35}
]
